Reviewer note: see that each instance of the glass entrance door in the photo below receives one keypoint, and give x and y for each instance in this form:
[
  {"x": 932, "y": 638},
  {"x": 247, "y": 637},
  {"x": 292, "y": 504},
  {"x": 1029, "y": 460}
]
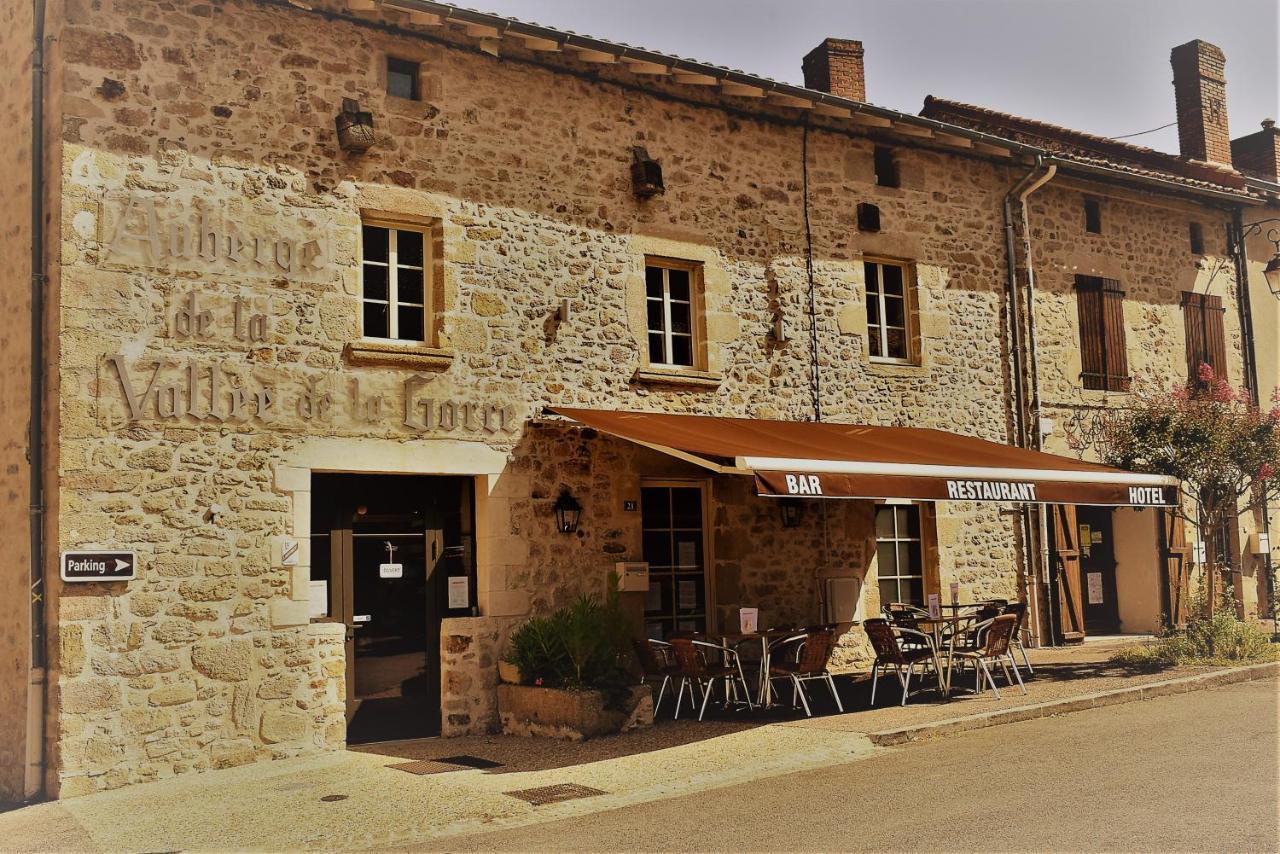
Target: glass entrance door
[
  {"x": 673, "y": 547},
  {"x": 384, "y": 548},
  {"x": 397, "y": 684}
]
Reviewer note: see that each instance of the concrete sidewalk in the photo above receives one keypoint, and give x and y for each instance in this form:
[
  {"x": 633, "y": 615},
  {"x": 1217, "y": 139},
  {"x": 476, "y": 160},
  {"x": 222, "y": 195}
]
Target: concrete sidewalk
[{"x": 359, "y": 799}]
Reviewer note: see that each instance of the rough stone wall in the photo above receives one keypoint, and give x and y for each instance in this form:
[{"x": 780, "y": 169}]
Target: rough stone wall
[
  {"x": 15, "y": 400},
  {"x": 225, "y": 111},
  {"x": 1144, "y": 246}
]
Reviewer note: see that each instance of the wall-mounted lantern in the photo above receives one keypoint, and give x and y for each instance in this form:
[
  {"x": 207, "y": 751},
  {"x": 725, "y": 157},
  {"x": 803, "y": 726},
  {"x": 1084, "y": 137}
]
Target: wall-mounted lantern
[
  {"x": 646, "y": 174},
  {"x": 568, "y": 512},
  {"x": 792, "y": 510},
  {"x": 355, "y": 127}
]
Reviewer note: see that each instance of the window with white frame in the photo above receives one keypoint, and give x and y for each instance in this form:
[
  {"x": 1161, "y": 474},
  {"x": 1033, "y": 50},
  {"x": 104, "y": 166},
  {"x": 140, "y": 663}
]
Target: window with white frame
[
  {"x": 671, "y": 303},
  {"x": 888, "y": 314},
  {"x": 899, "y": 554},
  {"x": 394, "y": 264}
]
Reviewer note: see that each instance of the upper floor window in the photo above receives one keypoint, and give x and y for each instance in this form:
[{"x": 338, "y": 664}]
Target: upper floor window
[
  {"x": 868, "y": 217},
  {"x": 888, "y": 311},
  {"x": 1104, "y": 360},
  {"x": 402, "y": 79},
  {"x": 1093, "y": 216},
  {"x": 1196, "y": 233},
  {"x": 394, "y": 293},
  {"x": 886, "y": 165},
  {"x": 672, "y": 295}
]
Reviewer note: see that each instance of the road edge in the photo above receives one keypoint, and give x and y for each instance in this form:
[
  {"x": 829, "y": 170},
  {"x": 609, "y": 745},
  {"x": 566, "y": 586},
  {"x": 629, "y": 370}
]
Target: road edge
[{"x": 1180, "y": 685}]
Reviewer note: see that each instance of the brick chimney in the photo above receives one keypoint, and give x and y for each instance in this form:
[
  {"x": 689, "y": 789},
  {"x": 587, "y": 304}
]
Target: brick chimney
[
  {"x": 1258, "y": 153},
  {"x": 1200, "y": 90},
  {"x": 835, "y": 66}
]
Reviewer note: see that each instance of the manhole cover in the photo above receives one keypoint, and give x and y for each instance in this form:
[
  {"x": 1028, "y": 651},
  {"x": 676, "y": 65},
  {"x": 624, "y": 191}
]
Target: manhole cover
[
  {"x": 470, "y": 761},
  {"x": 328, "y": 799},
  {"x": 541, "y": 795},
  {"x": 426, "y": 766}
]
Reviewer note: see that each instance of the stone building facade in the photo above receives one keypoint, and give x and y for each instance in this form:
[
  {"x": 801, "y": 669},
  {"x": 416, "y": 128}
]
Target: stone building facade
[{"x": 208, "y": 376}]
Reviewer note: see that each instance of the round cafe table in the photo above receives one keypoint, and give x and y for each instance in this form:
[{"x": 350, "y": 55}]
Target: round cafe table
[
  {"x": 934, "y": 626},
  {"x": 764, "y": 694}
]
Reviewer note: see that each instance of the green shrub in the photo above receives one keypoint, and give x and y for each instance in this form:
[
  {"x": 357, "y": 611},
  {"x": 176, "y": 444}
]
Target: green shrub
[
  {"x": 1218, "y": 640},
  {"x": 583, "y": 646}
]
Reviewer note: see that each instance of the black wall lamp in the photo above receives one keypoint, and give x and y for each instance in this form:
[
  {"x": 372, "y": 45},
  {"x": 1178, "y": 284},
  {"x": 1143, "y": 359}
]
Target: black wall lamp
[
  {"x": 646, "y": 174},
  {"x": 792, "y": 512},
  {"x": 568, "y": 512}
]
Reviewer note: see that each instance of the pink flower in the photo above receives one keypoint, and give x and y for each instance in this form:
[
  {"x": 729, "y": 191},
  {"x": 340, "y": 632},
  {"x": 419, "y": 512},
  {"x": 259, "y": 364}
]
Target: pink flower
[
  {"x": 1206, "y": 373},
  {"x": 1181, "y": 394},
  {"x": 1266, "y": 471},
  {"x": 1222, "y": 392},
  {"x": 538, "y": 681}
]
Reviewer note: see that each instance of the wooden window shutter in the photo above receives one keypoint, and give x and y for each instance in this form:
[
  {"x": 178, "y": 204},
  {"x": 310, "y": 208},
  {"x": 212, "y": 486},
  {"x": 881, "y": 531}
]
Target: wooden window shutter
[
  {"x": 1117, "y": 355},
  {"x": 1093, "y": 363},
  {"x": 1066, "y": 551},
  {"x": 1206, "y": 339},
  {"x": 1193, "y": 323}
]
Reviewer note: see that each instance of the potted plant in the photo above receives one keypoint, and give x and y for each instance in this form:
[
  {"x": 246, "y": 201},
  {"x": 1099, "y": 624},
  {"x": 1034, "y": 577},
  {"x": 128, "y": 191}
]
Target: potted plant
[{"x": 573, "y": 677}]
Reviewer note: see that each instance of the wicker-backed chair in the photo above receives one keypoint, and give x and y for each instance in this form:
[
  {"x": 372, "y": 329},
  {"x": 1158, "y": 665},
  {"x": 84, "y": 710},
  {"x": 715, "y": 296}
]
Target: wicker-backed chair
[
  {"x": 656, "y": 665},
  {"x": 887, "y": 641},
  {"x": 991, "y": 647},
  {"x": 1019, "y": 610},
  {"x": 697, "y": 672},
  {"x": 810, "y": 663}
]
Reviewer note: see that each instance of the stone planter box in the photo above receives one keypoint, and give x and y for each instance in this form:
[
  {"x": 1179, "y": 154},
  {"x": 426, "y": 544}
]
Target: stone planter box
[
  {"x": 509, "y": 673},
  {"x": 529, "y": 710}
]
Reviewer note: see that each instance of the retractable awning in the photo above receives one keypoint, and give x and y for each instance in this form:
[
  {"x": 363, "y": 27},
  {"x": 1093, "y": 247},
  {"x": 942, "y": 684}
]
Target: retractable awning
[{"x": 809, "y": 459}]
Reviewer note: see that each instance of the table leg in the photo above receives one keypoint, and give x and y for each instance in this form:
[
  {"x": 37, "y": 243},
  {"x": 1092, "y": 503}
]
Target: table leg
[
  {"x": 766, "y": 688},
  {"x": 937, "y": 660},
  {"x": 951, "y": 656}
]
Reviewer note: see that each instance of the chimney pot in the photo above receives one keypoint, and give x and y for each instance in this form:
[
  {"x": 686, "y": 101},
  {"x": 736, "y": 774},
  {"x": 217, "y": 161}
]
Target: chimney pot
[
  {"x": 835, "y": 67},
  {"x": 1200, "y": 91}
]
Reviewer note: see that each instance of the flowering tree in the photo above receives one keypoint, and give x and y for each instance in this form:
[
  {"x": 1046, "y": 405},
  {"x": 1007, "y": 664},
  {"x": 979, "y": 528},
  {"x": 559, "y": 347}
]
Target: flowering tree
[{"x": 1220, "y": 445}]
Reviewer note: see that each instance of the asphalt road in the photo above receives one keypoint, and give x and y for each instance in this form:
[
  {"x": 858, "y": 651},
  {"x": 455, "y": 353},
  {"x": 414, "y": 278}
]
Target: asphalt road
[{"x": 1192, "y": 772}]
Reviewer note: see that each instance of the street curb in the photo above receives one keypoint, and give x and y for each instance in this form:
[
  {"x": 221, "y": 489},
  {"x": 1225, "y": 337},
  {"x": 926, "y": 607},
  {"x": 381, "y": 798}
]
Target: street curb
[{"x": 1180, "y": 685}]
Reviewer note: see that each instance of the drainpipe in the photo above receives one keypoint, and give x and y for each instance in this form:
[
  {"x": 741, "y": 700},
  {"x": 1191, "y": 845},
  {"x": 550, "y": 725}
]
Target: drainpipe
[
  {"x": 35, "y": 434},
  {"x": 1251, "y": 378},
  {"x": 1024, "y": 371}
]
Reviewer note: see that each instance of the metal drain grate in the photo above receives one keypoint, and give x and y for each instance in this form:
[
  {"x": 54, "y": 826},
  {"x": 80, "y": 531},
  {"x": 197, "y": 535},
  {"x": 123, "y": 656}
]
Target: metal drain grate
[
  {"x": 470, "y": 761},
  {"x": 542, "y": 795},
  {"x": 426, "y": 766}
]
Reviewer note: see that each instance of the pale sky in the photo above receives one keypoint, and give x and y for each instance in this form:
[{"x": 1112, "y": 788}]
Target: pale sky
[{"x": 1095, "y": 65}]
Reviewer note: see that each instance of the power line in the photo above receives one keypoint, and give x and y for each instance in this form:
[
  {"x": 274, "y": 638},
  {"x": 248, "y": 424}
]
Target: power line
[{"x": 1141, "y": 132}]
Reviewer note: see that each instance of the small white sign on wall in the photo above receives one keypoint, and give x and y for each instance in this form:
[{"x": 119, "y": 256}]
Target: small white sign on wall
[
  {"x": 459, "y": 591},
  {"x": 391, "y": 570},
  {"x": 1095, "y": 588}
]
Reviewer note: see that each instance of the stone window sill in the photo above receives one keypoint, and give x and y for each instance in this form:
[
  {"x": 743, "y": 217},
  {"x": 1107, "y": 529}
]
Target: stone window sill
[
  {"x": 893, "y": 368},
  {"x": 686, "y": 378},
  {"x": 391, "y": 354}
]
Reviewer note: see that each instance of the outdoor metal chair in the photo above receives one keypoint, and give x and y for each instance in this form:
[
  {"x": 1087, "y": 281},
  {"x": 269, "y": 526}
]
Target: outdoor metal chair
[
  {"x": 991, "y": 646},
  {"x": 654, "y": 657},
  {"x": 697, "y": 673},
  {"x": 886, "y": 640},
  {"x": 813, "y": 655},
  {"x": 1019, "y": 610},
  {"x": 906, "y": 616}
]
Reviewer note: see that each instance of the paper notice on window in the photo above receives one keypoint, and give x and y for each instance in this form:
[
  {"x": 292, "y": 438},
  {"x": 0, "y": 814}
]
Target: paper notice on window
[
  {"x": 319, "y": 597},
  {"x": 459, "y": 591},
  {"x": 688, "y": 595},
  {"x": 688, "y": 554},
  {"x": 1095, "y": 588}
]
